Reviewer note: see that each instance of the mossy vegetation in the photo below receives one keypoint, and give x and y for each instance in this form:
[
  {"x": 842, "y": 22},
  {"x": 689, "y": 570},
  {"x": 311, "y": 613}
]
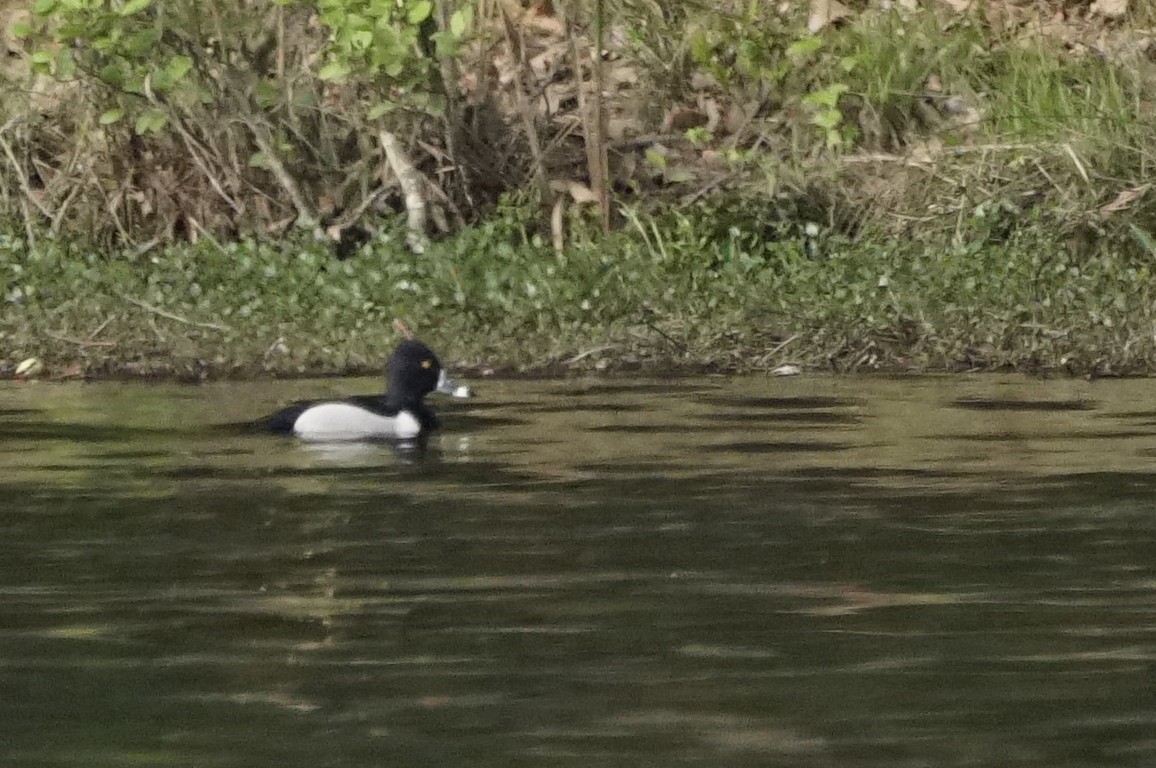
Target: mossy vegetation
[
  {"x": 717, "y": 287},
  {"x": 918, "y": 189}
]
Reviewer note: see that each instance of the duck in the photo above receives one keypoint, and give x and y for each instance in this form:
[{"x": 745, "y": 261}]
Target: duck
[{"x": 413, "y": 371}]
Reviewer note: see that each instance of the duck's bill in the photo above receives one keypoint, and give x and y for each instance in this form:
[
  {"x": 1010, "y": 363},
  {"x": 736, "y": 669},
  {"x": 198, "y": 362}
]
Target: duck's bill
[{"x": 448, "y": 386}]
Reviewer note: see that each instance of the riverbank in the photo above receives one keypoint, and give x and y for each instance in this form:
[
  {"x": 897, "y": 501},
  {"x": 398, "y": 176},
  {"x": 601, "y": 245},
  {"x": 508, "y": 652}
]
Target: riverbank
[{"x": 718, "y": 287}]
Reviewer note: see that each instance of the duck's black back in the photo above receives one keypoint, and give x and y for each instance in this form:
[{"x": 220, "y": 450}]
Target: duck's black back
[{"x": 283, "y": 420}]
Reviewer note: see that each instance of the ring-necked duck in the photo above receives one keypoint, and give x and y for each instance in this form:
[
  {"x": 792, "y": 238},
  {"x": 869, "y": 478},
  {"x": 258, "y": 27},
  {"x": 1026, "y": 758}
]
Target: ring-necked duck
[{"x": 401, "y": 413}]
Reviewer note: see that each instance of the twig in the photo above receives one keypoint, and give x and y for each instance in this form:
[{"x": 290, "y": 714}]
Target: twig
[
  {"x": 410, "y": 180},
  {"x": 677, "y": 344},
  {"x": 29, "y": 230},
  {"x": 361, "y": 208},
  {"x": 200, "y": 229},
  {"x": 190, "y": 145},
  {"x": 100, "y": 328},
  {"x": 280, "y": 11},
  {"x": 513, "y": 35},
  {"x": 79, "y": 342},
  {"x": 584, "y": 112},
  {"x": 112, "y": 201},
  {"x": 1043, "y": 171},
  {"x": 145, "y": 247},
  {"x": 304, "y": 212},
  {"x": 779, "y": 347},
  {"x": 557, "y": 225},
  {"x": 452, "y": 122},
  {"x": 440, "y": 194},
  {"x": 21, "y": 179},
  {"x": 587, "y": 353},
  {"x": 640, "y": 142},
  {"x": 565, "y": 131},
  {"x": 160, "y": 336},
  {"x": 58, "y": 219},
  {"x": 169, "y": 315},
  {"x": 884, "y": 157},
  {"x": 705, "y": 188},
  {"x": 598, "y": 118},
  {"x": 1079, "y": 165},
  {"x": 400, "y": 326},
  {"x": 910, "y": 162},
  {"x": 746, "y": 123}
]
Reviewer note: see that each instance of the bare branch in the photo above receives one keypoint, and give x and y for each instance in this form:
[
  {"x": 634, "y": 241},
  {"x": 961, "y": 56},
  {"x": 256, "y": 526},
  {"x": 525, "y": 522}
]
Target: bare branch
[
  {"x": 304, "y": 212},
  {"x": 171, "y": 316},
  {"x": 410, "y": 180}
]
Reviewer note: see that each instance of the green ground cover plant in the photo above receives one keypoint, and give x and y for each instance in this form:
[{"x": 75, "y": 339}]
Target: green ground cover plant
[{"x": 709, "y": 288}]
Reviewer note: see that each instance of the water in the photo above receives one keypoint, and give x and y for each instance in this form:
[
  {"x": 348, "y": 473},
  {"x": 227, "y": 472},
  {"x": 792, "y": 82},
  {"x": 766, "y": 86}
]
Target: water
[{"x": 713, "y": 572}]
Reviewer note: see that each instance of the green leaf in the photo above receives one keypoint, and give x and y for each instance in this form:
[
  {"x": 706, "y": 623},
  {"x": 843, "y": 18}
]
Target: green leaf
[
  {"x": 698, "y": 135},
  {"x": 355, "y": 21},
  {"x": 134, "y": 6},
  {"x": 461, "y": 20},
  {"x": 305, "y": 99},
  {"x": 135, "y": 82},
  {"x": 113, "y": 74},
  {"x": 828, "y": 119},
  {"x": 334, "y": 71},
  {"x": 150, "y": 121},
  {"x": 42, "y": 57},
  {"x": 160, "y": 81},
  {"x": 179, "y": 66},
  {"x": 266, "y": 93},
  {"x": 700, "y": 47},
  {"x": 827, "y": 97},
  {"x": 436, "y": 105},
  {"x": 445, "y": 44},
  {"x": 1144, "y": 239},
  {"x": 65, "y": 68},
  {"x": 679, "y": 175},
  {"x": 804, "y": 47},
  {"x": 44, "y": 7},
  {"x": 655, "y": 159},
  {"x": 111, "y": 116},
  {"x": 20, "y": 30},
  {"x": 419, "y": 12},
  {"x": 361, "y": 39},
  {"x": 142, "y": 43},
  {"x": 379, "y": 109}
]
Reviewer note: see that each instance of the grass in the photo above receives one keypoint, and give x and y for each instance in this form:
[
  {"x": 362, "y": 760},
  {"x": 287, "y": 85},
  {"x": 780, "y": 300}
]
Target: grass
[{"x": 718, "y": 286}]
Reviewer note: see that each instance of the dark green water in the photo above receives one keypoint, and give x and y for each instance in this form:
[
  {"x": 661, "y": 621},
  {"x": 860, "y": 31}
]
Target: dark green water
[{"x": 756, "y": 572}]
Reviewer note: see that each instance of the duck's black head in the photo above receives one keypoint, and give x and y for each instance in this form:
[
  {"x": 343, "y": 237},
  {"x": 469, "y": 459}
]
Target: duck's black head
[{"x": 413, "y": 371}]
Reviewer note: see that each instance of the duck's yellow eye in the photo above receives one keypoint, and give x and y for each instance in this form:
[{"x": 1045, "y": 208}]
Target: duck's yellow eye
[{"x": 426, "y": 363}]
